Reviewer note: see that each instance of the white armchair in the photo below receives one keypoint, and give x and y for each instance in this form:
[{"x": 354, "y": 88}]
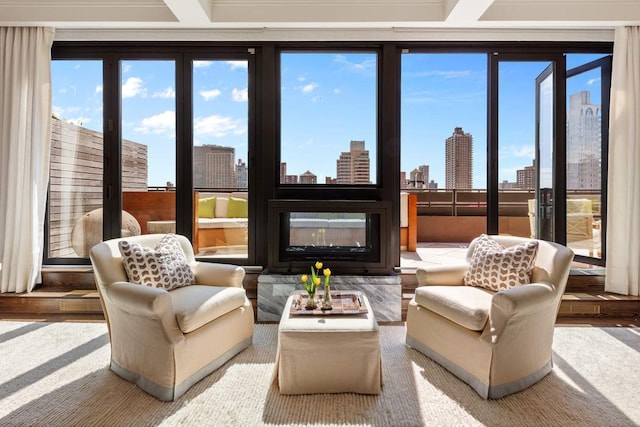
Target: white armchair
[
  {"x": 497, "y": 342},
  {"x": 166, "y": 341}
]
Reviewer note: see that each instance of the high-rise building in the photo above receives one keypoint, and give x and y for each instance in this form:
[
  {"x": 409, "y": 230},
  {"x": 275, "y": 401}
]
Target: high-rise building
[
  {"x": 283, "y": 173},
  {"x": 459, "y": 160},
  {"x": 403, "y": 180},
  {"x": 415, "y": 179},
  {"x": 425, "y": 174},
  {"x": 526, "y": 178},
  {"x": 213, "y": 167},
  {"x": 242, "y": 174},
  {"x": 329, "y": 180},
  {"x": 308, "y": 178},
  {"x": 583, "y": 142},
  {"x": 353, "y": 166},
  {"x": 507, "y": 185},
  {"x": 290, "y": 179}
]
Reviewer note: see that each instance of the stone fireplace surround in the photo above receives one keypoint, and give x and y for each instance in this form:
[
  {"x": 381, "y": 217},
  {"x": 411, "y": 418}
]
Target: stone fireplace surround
[{"x": 384, "y": 294}]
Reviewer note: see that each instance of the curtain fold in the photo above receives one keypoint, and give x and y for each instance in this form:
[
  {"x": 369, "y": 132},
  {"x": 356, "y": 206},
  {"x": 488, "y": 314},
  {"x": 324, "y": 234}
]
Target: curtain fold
[
  {"x": 25, "y": 142},
  {"x": 623, "y": 206}
]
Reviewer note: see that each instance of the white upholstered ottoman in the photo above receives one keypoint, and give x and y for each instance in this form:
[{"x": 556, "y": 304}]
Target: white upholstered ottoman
[{"x": 328, "y": 354}]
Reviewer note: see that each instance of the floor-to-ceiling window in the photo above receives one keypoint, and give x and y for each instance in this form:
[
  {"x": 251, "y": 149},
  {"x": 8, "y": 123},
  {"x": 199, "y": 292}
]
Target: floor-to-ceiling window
[
  {"x": 189, "y": 125},
  {"x": 525, "y": 147},
  {"x": 123, "y": 135},
  {"x": 328, "y": 118},
  {"x": 220, "y": 165},
  {"x": 588, "y": 84},
  {"x": 76, "y": 188},
  {"x": 148, "y": 145},
  {"x": 444, "y": 143}
]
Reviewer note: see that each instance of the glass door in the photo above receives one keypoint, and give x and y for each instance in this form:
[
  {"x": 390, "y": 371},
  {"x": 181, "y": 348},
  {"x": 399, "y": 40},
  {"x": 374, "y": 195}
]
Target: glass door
[
  {"x": 148, "y": 146},
  {"x": 525, "y": 147},
  {"x": 545, "y": 129},
  {"x": 221, "y": 166},
  {"x": 588, "y": 86}
]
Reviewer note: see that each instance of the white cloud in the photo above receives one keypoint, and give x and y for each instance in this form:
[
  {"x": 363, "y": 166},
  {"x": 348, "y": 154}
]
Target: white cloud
[
  {"x": 367, "y": 64},
  {"x": 316, "y": 98},
  {"x": 522, "y": 151},
  {"x": 133, "y": 87},
  {"x": 240, "y": 95},
  {"x": 166, "y": 93},
  {"x": 209, "y": 94},
  {"x": 126, "y": 68},
  {"x": 337, "y": 91},
  {"x": 77, "y": 66},
  {"x": 238, "y": 64},
  {"x": 68, "y": 89},
  {"x": 301, "y": 78},
  {"x": 98, "y": 89},
  {"x": 79, "y": 121},
  {"x": 592, "y": 81},
  {"x": 160, "y": 124},
  {"x": 450, "y": 74},
  {"x": 420, "y": 100},
  {"x": 309, "y": 88},
  {"x": 307, "y": 143},
  {"x": 64, "y": 113},
  {"x": 218, "y": 126},
  {"x": 201, "y": 64}
]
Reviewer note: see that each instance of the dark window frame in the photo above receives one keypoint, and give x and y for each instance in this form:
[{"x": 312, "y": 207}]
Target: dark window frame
[{"x": 264, "y": 147}]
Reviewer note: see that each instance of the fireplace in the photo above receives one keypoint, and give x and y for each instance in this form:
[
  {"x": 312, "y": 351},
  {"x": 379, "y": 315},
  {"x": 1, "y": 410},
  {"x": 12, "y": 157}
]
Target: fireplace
[{"x": 346, "y": 235}]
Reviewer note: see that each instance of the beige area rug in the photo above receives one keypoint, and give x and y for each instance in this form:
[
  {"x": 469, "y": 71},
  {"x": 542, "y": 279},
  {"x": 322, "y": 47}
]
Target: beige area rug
[{"x": 56, "y": 374}]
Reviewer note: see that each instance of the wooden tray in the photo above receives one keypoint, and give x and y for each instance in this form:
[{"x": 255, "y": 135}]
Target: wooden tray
[{"x": 344, "y": 302}]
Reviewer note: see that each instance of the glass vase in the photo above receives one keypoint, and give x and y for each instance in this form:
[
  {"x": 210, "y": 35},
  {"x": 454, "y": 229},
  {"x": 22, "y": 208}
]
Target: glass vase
[
  {"x": 312, "y": 303},
  {"x": 327, "y": 301}
]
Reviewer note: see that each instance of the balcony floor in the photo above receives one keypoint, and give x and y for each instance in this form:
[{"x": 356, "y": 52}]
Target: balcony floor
[{"x": 440, "y": 253}]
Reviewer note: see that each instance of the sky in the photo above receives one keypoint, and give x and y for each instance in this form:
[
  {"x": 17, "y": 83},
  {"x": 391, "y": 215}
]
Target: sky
[{"x": 327, "y": 100}]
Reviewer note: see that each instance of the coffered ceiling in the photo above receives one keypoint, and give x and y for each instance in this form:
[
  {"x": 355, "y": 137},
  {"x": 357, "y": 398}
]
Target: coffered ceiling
[
  {"x": 150, "y": 18},
  {"x": 376, "y": 14}
]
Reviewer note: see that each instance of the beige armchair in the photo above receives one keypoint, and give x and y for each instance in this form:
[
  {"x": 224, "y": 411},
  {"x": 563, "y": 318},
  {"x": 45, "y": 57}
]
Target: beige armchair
[
  {"x": 166, "y": 341},
  {"x": 497, "y": 342}
]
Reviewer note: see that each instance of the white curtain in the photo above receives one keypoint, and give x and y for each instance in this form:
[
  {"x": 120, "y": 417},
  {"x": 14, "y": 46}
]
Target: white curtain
[
  {"x": 25, "y": 140},
  {"x": 623, "y": 206}
]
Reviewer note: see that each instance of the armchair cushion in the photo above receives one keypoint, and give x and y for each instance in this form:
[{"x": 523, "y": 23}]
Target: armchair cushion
[
  {"x": 165, "y": 266},
  {"x": 196, "y": 306},
  {"x": 465, "y": 305},
  {"x": 496, "y": 268}
]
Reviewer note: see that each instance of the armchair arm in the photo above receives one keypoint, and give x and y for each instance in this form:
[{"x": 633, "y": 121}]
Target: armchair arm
[
  {"x": 216, "y": 274},
  {"x": 523, "y": 300},
  {"x": 527, "y": 306},
  {"x": 141, "y": 300},
  {"x": 442, "y": 275},
  {"x": 153, "y": 311}
]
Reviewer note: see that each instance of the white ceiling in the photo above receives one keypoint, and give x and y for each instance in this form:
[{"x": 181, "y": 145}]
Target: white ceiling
[{"x": 322, "y": 15}]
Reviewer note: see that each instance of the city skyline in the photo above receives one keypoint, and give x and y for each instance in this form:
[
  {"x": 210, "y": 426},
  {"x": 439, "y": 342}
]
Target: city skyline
[{"x": 439, "y": 92}]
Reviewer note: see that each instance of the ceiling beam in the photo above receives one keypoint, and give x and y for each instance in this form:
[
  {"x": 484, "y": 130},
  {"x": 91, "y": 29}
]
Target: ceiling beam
[
  {"x": 465, "y": 10},
  {"x": 193, "y": 12}
]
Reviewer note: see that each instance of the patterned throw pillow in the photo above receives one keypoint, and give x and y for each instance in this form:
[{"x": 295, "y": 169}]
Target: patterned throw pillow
[
  {"x": 496, "y": 268},
  {"x": 164, "y": 266}
]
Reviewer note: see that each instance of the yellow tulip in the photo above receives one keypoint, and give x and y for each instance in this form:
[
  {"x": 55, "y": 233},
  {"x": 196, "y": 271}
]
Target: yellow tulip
[
  {"x": 318, "y": 265},
  {"x": 316, "y": 281},
  {"x": 327, "y": 272},
  {"x": 304, "y": 278}
]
